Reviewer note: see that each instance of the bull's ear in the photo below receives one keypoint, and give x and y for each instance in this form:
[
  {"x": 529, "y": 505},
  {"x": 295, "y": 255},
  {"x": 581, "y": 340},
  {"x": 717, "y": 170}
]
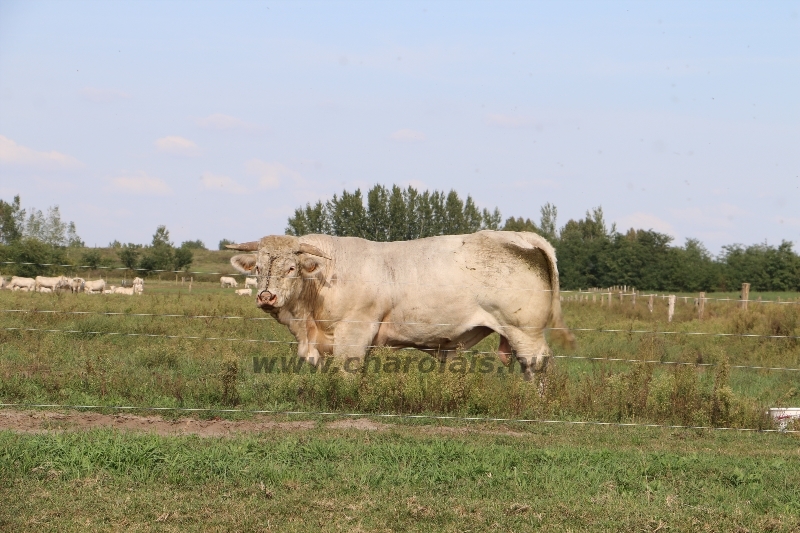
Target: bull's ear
[
  {"x": 310, "y": 264},
  {"x": 244, "y": 263}
]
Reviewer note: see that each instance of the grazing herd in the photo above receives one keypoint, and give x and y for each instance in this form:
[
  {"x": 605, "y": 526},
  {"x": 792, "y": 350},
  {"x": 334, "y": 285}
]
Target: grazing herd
[
  {"x": 250, "y": 283},
  {"x": 99, "y": 286},
  {"x": 63, "y": 284}
]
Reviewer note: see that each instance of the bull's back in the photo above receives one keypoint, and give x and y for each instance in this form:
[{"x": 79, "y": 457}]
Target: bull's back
[{"x": 438, "y": 279}]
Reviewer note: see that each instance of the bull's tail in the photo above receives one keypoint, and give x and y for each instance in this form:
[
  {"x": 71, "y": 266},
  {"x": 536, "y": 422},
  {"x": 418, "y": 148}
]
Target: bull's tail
[{"x": 559, "y": 332}]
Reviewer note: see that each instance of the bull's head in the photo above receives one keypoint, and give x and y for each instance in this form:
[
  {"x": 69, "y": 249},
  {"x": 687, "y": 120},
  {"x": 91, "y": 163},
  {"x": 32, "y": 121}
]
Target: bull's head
[{"x": 283, "y": 265}]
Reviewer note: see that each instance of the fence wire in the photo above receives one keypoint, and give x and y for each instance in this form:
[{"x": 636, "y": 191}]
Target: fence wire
[
  {"x": 392, "y": 322},
  {"x": 370, "y": 346}
]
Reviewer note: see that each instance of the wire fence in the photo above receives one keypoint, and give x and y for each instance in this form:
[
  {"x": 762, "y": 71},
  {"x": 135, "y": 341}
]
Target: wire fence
[
  {"x": 396, "y": 416},
  {"x": 405, "y": 323},
  {"x": 371, "y": 346}
]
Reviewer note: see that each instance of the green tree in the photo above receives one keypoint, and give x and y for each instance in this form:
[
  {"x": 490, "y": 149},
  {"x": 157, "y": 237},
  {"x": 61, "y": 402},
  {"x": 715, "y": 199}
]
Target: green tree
[
  {"x": 182, "y": 258},
  {"x": 91, "y": 258},
  {"x": 347, "y": 215},
  {"x": 193, "y": 245},
  {"x": 378, "y": 220},
  {"x": 398, "y": 209},
  {"x": 160, "y": 255},
  {"x": 520, "y": 224},
  {"x": 547, "y": 222},
  {"x": 129, "y": 255},
  {"x": 12, "y": 221}
]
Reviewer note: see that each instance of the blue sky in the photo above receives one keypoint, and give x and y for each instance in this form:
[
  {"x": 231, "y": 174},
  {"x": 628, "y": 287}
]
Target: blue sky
[{"x": 219, "y": 118}]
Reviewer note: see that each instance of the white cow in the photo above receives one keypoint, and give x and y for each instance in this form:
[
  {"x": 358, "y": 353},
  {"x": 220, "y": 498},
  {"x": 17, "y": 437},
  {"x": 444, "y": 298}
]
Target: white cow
[
  {"x": 21, "y": 284},
  {"x": 244, "y": 292},
  {"x": 138, "y": 281},
  {"x": 45, "y": 289},
  {"x": 53, "y": 284},
  {"x": 251, "y": 282},
  {"x": 227, "y": 281},
  {"x": 96, "y": 286},
  {"x": 123, "y": 290},
  {"x": 76, "y": 284}
]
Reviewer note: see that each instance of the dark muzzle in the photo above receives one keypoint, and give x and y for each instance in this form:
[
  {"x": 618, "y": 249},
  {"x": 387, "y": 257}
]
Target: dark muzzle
[{"x": 267, "y": 298}]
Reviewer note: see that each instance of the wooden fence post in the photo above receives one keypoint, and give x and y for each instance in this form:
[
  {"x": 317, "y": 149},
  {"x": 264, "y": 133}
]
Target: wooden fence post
[
  {"x": 671, "y": 310},
  {"x": 701, "y": 305},
  {"x": 650, "y": 302},
  {"x": 633, "y": 298},
  {"x": 745, "y": 295}
]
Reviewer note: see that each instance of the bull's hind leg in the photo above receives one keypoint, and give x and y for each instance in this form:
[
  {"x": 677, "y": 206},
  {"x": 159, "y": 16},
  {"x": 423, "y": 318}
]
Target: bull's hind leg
[{"x": 530, "y": 349}]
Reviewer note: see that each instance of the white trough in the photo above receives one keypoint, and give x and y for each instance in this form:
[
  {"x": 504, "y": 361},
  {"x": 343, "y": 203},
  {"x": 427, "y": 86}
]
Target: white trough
[{"x": 782, "y": 415}]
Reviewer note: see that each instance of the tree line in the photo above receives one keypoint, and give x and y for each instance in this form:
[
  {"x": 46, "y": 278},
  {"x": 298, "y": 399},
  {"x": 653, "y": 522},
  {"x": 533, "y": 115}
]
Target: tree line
[
  {"x": 590, "y": 254},
  {"x": 30, "y": 236},
  {"x": 393, "y": 215}
]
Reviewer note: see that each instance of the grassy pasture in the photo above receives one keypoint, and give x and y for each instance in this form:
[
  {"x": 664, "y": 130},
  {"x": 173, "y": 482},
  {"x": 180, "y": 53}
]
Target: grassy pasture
[
  {"x": 402, "y": 478},
  {"x": 91, "y": 368},
  {"x": 410, "y": 475}
]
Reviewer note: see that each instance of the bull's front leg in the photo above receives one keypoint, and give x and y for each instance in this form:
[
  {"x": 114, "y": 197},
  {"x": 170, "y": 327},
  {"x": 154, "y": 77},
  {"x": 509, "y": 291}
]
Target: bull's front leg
[
  {"x": 305, "y": 331},
  {"x": 352, "y": 340}
]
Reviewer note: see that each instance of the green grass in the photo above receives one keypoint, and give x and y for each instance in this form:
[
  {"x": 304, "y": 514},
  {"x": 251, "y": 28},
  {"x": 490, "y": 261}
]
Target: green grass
[
  {"x": 413, "y": 476},
  {"x": 87, "y": 368},
  {"x": 545, "y": 478}
]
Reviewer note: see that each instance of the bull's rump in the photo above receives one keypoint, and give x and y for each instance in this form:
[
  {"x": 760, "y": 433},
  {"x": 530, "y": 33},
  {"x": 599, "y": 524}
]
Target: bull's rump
[{"x": 438, "y": 292}]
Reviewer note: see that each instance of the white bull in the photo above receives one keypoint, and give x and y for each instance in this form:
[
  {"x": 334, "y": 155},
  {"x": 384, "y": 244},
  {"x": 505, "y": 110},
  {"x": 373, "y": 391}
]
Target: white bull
[
  {"x": 53, "y": 283},
  {"x": 96, "y": 286},
  {"x": 21, "y": 284},
  {"x": 244, "y": 292},
  {"x": 342, "y": 295},
  {"x": 227, "y": 281},
  {"x": 250, "y": 282}
]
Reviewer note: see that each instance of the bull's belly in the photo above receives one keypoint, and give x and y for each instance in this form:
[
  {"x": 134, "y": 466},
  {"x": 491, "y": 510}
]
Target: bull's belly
[{"x": 432, "y": 340}]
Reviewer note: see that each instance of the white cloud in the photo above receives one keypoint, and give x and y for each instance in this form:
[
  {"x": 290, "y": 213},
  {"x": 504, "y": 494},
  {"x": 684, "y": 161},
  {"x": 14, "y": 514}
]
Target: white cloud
[
  {"x": 94, "y": 94},
  {"x": 641, "y": 220},
  {"x": 271, "y": 174},
  {"x": 177, "y": 146},
  {"x": 219, "y": 121},
  {"x": 141, "y": 184},
  {"x": 12, "y": 153},
  {"x": 407, "y": 135},
  {"x": 508, "y": 121},
  {"x": 215, "y": 182}
]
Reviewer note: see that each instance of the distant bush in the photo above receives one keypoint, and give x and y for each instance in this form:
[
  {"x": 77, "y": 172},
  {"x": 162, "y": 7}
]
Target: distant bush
[{"x": 193, "y": 245}]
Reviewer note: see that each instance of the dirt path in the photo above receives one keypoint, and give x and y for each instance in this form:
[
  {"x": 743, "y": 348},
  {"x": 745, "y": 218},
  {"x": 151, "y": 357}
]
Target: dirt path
[{"x": 33, "y": 421}]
